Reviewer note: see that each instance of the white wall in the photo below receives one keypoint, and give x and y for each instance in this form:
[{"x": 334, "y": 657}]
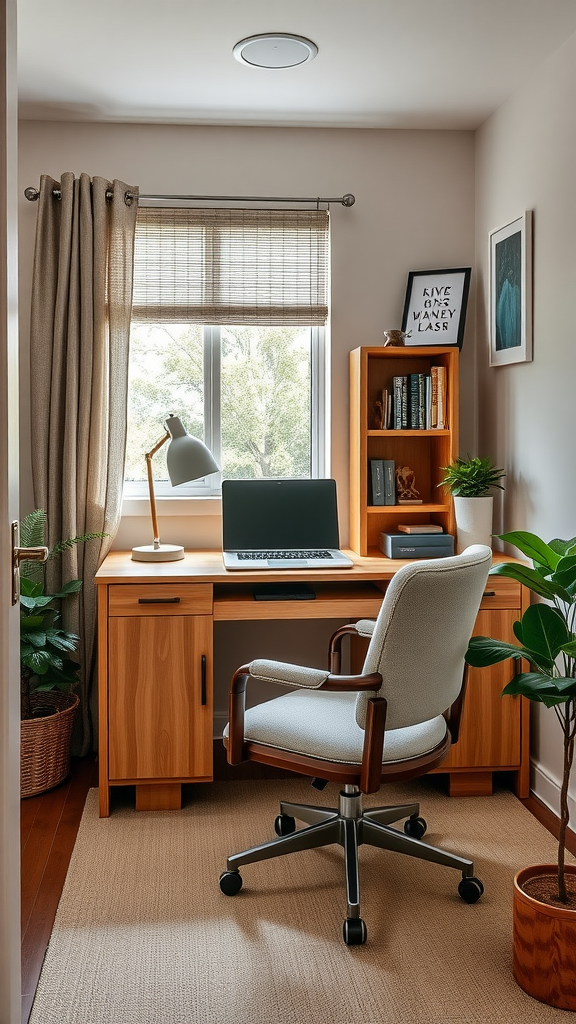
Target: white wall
[
  {"x": 414, "y": 210},
  {"x": 526, "y": 159}
]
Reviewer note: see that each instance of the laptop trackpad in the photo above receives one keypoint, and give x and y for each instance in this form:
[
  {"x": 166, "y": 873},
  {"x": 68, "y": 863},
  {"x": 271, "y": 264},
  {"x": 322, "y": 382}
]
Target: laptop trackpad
[{"x": 287, "y": 563}]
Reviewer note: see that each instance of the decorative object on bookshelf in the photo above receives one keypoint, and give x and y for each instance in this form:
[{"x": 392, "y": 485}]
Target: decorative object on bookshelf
[
  {"x": 469, "y": 480},
  {"x": 511, "y": 292},
  {"x": 544, "y": 895},
  {"x": 406, "y": 487},
  {"x": 435, "y": 306},
  {"x": 394, "y": 338}
]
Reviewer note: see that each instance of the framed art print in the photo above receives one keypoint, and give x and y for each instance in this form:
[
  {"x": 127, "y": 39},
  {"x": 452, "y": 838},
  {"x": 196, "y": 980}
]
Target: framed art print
[
  {"x": 435, "y": 306},
  {"x": 511, "y": 292}
]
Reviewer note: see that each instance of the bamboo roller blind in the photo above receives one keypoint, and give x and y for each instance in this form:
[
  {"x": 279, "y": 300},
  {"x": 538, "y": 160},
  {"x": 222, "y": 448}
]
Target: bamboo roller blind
[{"x": 231, "y": 266}]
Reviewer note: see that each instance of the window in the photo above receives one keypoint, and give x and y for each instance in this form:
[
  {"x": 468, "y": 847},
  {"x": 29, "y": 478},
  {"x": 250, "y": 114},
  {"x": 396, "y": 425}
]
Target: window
[{"x": 228, "y": 333}]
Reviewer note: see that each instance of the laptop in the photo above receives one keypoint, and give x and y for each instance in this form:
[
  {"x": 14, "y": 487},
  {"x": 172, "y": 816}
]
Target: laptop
[{"x": 281, "y": 524}]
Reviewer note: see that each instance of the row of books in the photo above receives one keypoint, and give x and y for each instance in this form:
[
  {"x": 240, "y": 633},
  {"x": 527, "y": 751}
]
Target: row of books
[{"x": 416, "y": 401}]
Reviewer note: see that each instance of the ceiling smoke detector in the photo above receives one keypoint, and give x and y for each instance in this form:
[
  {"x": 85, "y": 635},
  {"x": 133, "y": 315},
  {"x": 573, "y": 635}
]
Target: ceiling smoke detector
[{"x": 275, "y": 50}]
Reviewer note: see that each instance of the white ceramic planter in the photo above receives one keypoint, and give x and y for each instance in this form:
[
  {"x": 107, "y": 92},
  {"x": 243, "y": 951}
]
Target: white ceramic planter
[{"x": 473, "y": 521}]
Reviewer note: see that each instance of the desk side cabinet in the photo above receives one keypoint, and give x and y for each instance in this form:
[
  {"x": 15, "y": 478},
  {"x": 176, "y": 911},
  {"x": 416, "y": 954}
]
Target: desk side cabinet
[{"x": 156, "y": 701}]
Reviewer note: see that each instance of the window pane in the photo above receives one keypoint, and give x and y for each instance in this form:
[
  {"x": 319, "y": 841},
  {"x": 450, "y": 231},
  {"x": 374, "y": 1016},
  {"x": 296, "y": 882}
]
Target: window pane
[
  {"x": 266, "y": 401},
  {"x": 166, "y": 376}
]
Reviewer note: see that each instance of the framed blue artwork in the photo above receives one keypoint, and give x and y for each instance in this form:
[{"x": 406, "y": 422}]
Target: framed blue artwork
[{"x": 511, "y": 292}]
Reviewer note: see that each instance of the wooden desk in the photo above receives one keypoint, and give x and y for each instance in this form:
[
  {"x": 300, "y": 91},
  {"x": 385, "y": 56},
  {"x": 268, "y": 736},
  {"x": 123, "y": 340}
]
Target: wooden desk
[{"x": 155, "y": 689}]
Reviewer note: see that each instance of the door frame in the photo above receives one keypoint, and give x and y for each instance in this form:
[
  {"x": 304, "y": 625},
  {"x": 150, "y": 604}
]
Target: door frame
[{"x": 10, "y": 984}]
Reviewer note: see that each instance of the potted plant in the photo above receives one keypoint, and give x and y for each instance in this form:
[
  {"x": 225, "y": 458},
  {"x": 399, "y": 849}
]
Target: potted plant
[
  {"x": 469, "y": 481},
  {"x": 48, "y": 673},
  {"x": 544, "y": 895}
]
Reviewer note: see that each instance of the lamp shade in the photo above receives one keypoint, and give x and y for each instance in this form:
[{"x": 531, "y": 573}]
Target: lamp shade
[{"x": 187, "y": 458}]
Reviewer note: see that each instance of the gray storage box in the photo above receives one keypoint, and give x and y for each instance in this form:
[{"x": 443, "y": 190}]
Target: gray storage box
[{"x": 417, "y": 545}]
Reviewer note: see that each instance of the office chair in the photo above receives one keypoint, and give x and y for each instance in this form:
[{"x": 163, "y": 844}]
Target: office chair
[{"x": 394, "y": 721}]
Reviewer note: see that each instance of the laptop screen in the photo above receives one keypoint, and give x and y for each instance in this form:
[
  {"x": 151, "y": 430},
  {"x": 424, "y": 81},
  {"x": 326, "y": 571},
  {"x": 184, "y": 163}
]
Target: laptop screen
[{"x": 279, "y": 514}]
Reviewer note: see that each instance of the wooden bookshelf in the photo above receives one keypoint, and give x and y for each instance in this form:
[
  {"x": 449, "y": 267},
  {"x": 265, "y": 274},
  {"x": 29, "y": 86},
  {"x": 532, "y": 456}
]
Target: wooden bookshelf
[{"x": 425, "y": 451}]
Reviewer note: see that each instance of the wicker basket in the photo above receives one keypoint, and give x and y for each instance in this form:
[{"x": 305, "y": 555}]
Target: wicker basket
[{"x": 45, "y": 742}]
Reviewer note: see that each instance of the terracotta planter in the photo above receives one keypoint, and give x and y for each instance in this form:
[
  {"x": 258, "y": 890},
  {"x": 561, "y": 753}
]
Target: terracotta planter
[
  {"x": 544, "y": 943},
  {"x": 473, "y": 521}
]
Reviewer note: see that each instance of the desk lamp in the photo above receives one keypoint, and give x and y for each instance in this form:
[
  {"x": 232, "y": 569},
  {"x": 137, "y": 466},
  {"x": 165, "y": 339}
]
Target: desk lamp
[{"x": 187, "y": 459}]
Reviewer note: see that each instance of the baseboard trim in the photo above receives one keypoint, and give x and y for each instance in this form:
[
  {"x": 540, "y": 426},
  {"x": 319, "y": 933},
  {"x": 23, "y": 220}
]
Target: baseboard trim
[
  {"x": 549, "y": 820},
  {"x": 547, "y": 790}
]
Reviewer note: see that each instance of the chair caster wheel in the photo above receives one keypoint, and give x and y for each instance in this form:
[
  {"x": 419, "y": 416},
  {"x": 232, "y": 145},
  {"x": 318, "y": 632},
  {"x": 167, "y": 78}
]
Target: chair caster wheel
[
  {"x": 284, "y": 825},
  {"x": 470, "y": 889},
  {"x": 415, "y": 827},
  {"x": 230, "y": 882},
  {"x": 354, "y": 931}
]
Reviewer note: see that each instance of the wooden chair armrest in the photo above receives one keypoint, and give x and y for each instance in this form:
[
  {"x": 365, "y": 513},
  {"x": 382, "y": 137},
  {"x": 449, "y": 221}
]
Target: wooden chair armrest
[
  {"x": 371, "y": 771},
  {"x": 454, "y": 714},
  {"x": 335, "y": 649},
  {"x": 371, "y": 681},
  {"x": 236, "y": 709}
]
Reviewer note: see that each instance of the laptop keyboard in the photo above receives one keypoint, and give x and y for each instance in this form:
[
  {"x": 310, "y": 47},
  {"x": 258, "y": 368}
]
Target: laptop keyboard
[{"x": 286, "y": 555}]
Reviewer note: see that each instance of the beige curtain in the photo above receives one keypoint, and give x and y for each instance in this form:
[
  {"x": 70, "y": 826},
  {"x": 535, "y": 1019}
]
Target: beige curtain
[{"x": 81, "y": 303}]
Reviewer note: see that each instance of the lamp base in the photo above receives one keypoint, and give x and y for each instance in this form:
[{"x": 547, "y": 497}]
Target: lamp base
[{"x": 164, "y": 553}]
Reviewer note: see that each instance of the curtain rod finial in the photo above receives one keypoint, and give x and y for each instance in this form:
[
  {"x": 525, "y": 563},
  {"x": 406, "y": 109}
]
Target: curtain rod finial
[
  {"x": 348, "y": 199},
  {"x": 31, "y": 193}
]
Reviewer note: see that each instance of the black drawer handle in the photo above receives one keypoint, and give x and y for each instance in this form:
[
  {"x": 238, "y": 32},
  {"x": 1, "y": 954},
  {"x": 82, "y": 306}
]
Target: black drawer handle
[
  {"x": 203, "y": 679},
  {"x": 489, "y": 593},
  {"x": 158, "y": 600}
]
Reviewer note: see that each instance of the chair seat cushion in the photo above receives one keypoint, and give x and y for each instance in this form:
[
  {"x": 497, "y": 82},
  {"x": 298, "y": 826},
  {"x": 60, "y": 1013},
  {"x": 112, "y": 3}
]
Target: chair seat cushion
[{"x": 323, "y": 725}]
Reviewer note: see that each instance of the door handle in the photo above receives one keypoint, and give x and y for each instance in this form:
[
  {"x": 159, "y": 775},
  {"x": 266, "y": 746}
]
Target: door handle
[
  {"x": 19, "y": 554},
  {"x": 203, "y": 697}
]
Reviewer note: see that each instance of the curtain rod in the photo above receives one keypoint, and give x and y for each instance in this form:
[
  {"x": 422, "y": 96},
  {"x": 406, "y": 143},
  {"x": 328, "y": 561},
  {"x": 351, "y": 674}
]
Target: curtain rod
[{"x": 33, "y": 194}]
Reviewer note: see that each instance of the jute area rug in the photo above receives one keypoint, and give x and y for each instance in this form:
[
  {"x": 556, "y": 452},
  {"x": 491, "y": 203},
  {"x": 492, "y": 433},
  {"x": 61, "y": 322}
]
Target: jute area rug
[{"x": 143, "y": 934}]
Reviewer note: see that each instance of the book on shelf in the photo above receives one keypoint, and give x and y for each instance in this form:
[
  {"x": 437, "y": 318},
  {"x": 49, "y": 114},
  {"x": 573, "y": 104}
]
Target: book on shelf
[
  {"x": 442, "y": 417},
  {"x": 377, "y": 481},
  {"x": 421, "y": 401},
  {"x": 434, "y": 397},
  {"x": 404, "y": 403},
  {"x": 414, "y": 392},
  {"x": 397, "y": 402},
  {"x": 420, "y": 528},
  {"x": 389, "y": 482}
]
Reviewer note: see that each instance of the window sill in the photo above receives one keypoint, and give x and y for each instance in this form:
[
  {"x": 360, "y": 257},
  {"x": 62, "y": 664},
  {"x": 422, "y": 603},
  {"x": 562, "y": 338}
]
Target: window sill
[{"x": 185, "y": 506}]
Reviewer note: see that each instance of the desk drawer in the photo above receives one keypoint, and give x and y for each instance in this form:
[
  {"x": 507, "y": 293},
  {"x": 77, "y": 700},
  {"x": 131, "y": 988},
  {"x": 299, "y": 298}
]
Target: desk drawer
[
  {"x": 160, "y": 599},
  {"x": 501, "y": 592}
]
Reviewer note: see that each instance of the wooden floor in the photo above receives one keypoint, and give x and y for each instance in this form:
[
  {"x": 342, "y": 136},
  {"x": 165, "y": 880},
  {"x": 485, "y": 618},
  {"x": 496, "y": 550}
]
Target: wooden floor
[{"x": 49, "y": 825}]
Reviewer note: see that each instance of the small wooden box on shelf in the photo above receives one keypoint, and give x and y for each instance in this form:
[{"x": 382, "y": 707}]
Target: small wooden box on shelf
[{"x": 426, "y": 452}]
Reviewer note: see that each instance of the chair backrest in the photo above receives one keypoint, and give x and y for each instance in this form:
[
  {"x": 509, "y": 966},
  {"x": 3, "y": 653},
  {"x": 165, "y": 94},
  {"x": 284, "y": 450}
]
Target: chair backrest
[{"x": 422, "y": 633}]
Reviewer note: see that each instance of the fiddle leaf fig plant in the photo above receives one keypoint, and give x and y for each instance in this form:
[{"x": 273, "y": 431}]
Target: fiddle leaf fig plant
[
  {"x": 546, "y": 639},
  {"x": 471, "y": 477}
]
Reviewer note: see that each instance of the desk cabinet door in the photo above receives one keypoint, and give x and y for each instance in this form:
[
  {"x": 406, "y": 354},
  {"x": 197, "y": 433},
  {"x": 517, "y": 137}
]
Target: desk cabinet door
[
  {"x": 160, "y": 697},
  {"x": 490, "y": 732}
]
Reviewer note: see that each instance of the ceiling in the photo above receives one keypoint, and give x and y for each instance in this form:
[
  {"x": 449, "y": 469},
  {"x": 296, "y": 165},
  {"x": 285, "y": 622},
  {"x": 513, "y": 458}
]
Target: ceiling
[{"x": 381, "y": 63}]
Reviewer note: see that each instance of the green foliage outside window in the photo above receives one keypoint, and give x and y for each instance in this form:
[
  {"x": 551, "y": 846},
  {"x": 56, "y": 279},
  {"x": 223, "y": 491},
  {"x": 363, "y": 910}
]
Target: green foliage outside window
[{"x": 265, "y": 398}]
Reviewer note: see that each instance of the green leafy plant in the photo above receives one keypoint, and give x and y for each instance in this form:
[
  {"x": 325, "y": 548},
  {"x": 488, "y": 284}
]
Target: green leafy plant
[
  {"x": 471, "y": 478},
  {"x": 44, "y": 646},
  {"x": 547, "y": 641}
]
